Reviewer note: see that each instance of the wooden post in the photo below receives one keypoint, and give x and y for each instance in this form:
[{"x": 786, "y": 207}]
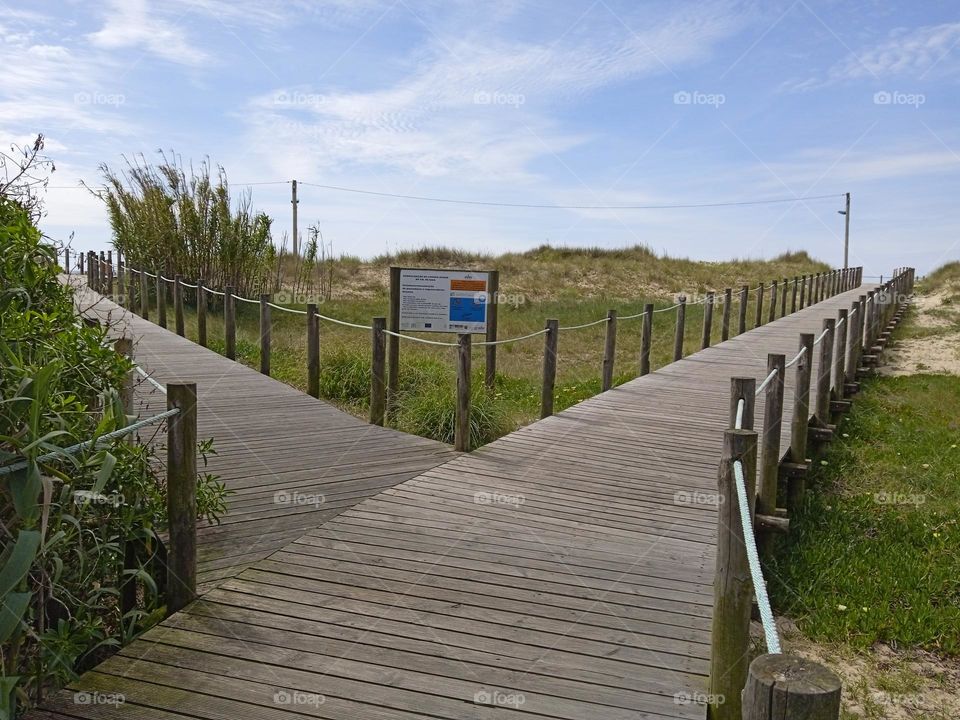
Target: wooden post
[
  {"x": 161, "y": 300},
  {"x": 742, "y": 388},
  {"x": 773, "y": 302},
  {"x": 101, "y": 273},
  {"x": 725, "y": 324},
  {"x": 230, "y": 322},
  {"x": 201, "y": 313},
  {"x": 799, "y": 423},
  {"x": 144, "y": 297},
  {"x": 181, "y": 496},
  {"x": 815, "y": 294},
  {"x": 840, "y": 354},
  {"x": 378, "y": 380},
  {"x": 793, "y": 296},
  {"x": 461, "y": 432},
  {"x": 770, "y": 442},
  {"x": 609, "y": 351},
  {"x": 80, "y": 255},
  {"x": 783, "y": 299},
  {"x": 66, "y": 259},
  {"x": 264, "y": 334},
  {"x": 111, "y": 289},
  {"x": 678, "y": 337},
  {"x": 94, "y": 273},
  {"x": 803, "y": 292},
  {"x": 178, "y": 305},
  {"x": 313, "y": 358},
  {"x": 393, "y": 343},
  {"x": 787, "y": 686},
  {"x": 124, "y": 346},
  {"x": 646, "y": 337},
  {"x": 758, "y": 320},
  {"x": 550, "y": 339},
  {"x": 732, "y": 588},
  {"x": 707, "y": 321},
  {"x": 824, "y": 367},
  {"x": 493, "y": 303},
  {"x": 744, "y": 299}
]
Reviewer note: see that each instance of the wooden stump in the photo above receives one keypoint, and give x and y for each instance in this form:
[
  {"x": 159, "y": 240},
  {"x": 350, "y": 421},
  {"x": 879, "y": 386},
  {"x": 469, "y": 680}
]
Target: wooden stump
[{"x": 786, "y": 686}]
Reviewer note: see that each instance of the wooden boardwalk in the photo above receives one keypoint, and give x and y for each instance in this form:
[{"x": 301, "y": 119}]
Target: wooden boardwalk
[{"x": 564, "y": 571}]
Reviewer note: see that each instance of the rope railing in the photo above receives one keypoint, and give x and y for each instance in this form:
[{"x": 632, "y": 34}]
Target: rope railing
[
  {"x": 150, "y": 379},
  {"x": 766, "y": 381},
  {"x": 796, "y": 358}
]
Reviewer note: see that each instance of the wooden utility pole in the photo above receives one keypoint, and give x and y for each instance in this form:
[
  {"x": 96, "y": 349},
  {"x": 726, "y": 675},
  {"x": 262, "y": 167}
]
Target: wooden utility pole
[
  {"x": 294, "y": 202},
  {"x": 846, "y": 233}
]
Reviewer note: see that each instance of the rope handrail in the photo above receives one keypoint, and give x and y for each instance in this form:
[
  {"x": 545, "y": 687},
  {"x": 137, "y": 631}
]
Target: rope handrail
[
  {"x": 74, "y": 449},
  {"x": 821, "y": 336},
  {"x": 796, "y": 357},
  {"x": 753, "y": 559},
  {"x": 584, "y": 325},
  {"x": 766, "y": 381},
  {"x": 150, "y": 379},
  {"x": 738, "y": 424}
]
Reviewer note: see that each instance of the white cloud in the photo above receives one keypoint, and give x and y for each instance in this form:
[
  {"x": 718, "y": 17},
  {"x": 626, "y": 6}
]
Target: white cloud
[{"x": 130, "y": 23}]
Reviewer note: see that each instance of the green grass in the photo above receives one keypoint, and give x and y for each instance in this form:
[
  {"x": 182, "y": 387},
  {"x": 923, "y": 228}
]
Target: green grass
[{"x": 874, "y": 555}]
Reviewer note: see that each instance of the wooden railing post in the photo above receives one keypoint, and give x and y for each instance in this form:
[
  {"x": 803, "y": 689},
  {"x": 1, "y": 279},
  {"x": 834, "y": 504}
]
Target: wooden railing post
[
  {"x": 493, "y": 308},
  {"x": 378, "y": 370},
  {"x": 793, "y": 295},
  {"x": 743, "y": 388},
  {"x": 161, "y": 299},
  {"x": 840, "y": 354},
  {"x": 181, "y": 496},
  {"x": 609, "y": 351},
  {"x": 201, "y": 313},
  {"x": 313, "y": 359},
  {"x": 770, "y": 445},
  {"x": 799, "y": 423},
  {"x": 678, "y": 336},
  {"x": 265, "y": 334},
  {"x": 783, "y": 299},
  {"x": 788, "y": 686},
  {"x": 393, "y": 343},
  {"x": 66, "y": 259},
  {"x": 111, "y": 288},
  {"x": 178, "y": 305},
  {"x": 461, "y": 432},
  {"x": 824, "y": 367},
  {"x": 144, "y": 297},
  {"x": 773, "y": 302},
  {"x": 102, "y": 274},
  {"x": 803, "y": 292},
  {"x": 230, "y": 323},
  {"x": 742, "y": 319},
  {"x": 707, "y": 321},
  {"x": 732, "y": 587},
  {"x": 815, "y": 294},
  {"x": 80, "y": 255},
  {"x": 758, "y": 320},
  {"x": 646, "y": 338},
  {"x": 550, "y": 339},
  {"x": 93, "y": 283},
  {"x": 725, "y": 323}
]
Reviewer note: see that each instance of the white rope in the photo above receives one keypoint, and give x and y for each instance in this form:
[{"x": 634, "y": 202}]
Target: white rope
[
  {"x": 186, "y": 284},
  {"x": 150, "y": 380},
  {"x": 739, "y": 422},
  {"x": 246, "y": 300},
  {"x": 148, "y": 274},
  {"x": 796, "y": 357},
  {"x": 840, "y": 322},
  {"x": 487, "y": 343},
  {"x": 286, "y": 309},
  {"x": 668, "y": 308},
  {"x": 822, "y": 335},
  {"x": 421, "y": 340},
  {"x": 214, "y": 292},
  {"x": 166, "y": 278},
  {"x": 753, "y": 559},
  {"x": 585, "y": 325},
  {"x": 766, "y": 381}
]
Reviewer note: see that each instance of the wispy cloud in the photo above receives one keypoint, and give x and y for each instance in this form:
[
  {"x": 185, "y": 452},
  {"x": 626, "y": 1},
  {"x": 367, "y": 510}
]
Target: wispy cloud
[{"x": 132, "y": 24}]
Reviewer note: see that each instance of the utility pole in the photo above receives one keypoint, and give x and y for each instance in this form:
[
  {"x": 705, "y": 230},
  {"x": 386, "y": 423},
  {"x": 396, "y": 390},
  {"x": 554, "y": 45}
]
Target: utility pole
[
  {"x": 846, "y": 233},
  {"x": 294, "y": 202}
]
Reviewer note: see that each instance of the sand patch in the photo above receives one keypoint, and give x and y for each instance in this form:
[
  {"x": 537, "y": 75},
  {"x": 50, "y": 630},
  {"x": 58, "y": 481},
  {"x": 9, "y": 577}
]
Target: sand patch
[{"x": 937, "y": 349}]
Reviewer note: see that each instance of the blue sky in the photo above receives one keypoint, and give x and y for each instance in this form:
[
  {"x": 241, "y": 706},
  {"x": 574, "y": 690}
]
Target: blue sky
[{"x": 556, "y": 103}]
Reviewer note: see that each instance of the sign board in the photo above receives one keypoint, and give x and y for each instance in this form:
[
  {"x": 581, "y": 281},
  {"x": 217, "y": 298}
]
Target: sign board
[{"x": 443, "y": 300}]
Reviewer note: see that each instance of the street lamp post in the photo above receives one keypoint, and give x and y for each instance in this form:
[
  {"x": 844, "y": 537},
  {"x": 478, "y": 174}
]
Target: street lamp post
[{"x": 846, "y": 233}]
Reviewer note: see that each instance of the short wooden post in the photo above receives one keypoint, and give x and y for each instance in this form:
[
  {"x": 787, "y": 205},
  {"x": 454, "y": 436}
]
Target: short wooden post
[
  {"x": 742, "y": 388},
  {"x": 840, "y": 354},
  {"x": 550, "y": 339},
  {"x": 770, "y": 442},
  {"x": 393, "y": 343},
  {"x": 783, "y": 299},
  {"x": 378, "y": 371},
  {"x": 111, "y": 288},
  {"x": 80, "y": 255},
  {"x": 609, "y": 351},
  {"x": 94, "y": 276},
  {"x": 815, "y": 294},
  {"x": 732, "y": 587},
  {"x": 678, "y": 337},
  {"x": 201, "y": 313},
  {"x": 793, "y": 295},
  {"x": 124, "y": 347},
  {"x": 773, "y": 301},
  {"x": 824, "y": 367},
  {"x": 230, "y": 323},
  {"x": 161, "y": 300},
  {"x": 313, "y": 359},
  {"x": 493, "y": 304},
  {"x": 646, "y": 337},
  {"x": 799, "y": 423},
  {"x": 66, "y": 260},
  {"x": 803, "y": 292},
  {"x": 178, "y": 305},
  {"x": 461, "y": 432},
  {"x": 787, "y": 686},
  {"x": 758, "y": 320},
  {"x": 265, "y": 334},
  {"x": 744, "y": 299},
  {"x": 144, "y": 297},
  {"x": 181, "y": 496},
  {"x": 102, "y": 273},
  {"x": 707, "y": 321},
  {"x": 725, "y": 323}
]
